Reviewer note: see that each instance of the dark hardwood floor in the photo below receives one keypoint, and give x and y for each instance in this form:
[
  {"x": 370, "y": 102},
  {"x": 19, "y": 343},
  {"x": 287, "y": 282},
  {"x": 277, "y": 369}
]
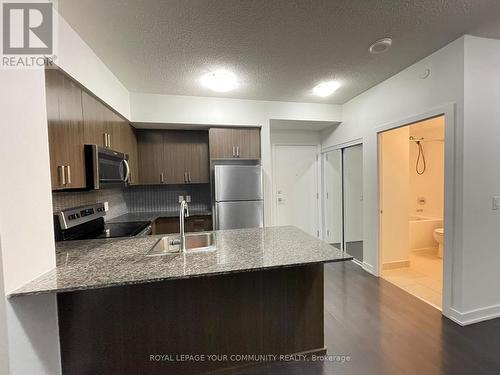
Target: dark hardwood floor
[{"x": 387, "y": 331}]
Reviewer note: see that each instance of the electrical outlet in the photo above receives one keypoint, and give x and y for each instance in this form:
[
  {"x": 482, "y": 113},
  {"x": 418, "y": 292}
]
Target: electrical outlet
[
  {"x": 496, "y": 203},
  {"x": 181, "y": 198},
  {"x": 188, "y": 198}
]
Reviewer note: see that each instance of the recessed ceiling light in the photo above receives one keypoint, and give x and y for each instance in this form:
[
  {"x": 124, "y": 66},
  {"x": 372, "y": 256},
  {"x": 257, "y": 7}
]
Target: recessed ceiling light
[
  {"x": 220, "y": 80},
  {"x": 380, "y": 46},
  {"x": 326, "y": 88}
]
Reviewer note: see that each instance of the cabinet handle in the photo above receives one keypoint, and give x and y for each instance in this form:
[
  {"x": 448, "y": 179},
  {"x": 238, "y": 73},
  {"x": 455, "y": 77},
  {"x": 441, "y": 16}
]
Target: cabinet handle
[
  {"x": 189, "y": 177},
  {"x": 61, "y": 175},
  {"x": 68, "y": 174},
  {"x": 105, "y": 138},
  {"x": 237, "y": 151},
  {"x": 161, "y": 178},
  {"x": 109, "y": 140},
  {"x": 234, "y": 152},
  {"x": 185, "y": 177}
]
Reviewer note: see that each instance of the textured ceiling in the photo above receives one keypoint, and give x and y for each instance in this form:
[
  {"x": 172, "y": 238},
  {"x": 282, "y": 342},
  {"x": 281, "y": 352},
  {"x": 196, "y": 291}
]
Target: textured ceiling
[{"x": 279, "y": 48}]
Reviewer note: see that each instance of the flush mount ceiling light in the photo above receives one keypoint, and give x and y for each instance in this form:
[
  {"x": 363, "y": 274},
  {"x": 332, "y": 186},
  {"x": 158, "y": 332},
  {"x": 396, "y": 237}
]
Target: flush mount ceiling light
[
  {"x": 220, "y": 80},
  {"x": 326, "y": 88},
  {"x": 380, "y": 46}
]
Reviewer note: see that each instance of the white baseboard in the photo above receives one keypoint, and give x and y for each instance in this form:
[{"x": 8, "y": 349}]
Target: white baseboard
[
  {"x": 474, "y": 316},
  {"x": 396, "y": 264},
  {"x": 369, "y": 268},
  {"x": 425, "y": 249}
]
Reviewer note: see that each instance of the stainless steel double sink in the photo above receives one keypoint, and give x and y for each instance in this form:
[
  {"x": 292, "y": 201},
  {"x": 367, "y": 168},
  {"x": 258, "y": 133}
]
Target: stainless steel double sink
[{"x": 195, "y": 242}]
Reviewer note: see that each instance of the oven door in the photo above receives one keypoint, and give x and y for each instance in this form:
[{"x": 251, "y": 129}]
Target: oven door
[{"x": 105, "y": 167}]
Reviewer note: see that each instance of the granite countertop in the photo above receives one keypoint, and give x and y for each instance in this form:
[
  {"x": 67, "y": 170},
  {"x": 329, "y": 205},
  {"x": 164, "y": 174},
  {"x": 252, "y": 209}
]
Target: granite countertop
[
  {"x": 92, "y": 264},
  {"x": 153, "y": 215}
]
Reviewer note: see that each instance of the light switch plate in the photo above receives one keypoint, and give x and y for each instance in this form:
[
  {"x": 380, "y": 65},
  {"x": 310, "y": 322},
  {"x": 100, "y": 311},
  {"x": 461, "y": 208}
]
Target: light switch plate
[
  {"x": 106, "y": 206},
  {"x": 496, "y": 203},
  {"x": 181, "y": 198},
  {"x": 188, "y": 198}
]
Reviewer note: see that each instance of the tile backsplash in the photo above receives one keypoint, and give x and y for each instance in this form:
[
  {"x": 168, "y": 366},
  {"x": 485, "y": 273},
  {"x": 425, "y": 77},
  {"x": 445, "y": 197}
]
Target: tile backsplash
[
  {"x": 166, "y": 197},
  {"x": 152, "y": 198},
  {"x": 115, "y": 198}
]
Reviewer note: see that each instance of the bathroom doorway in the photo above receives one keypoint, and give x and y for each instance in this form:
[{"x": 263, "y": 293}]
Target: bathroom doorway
[{"x": 411, "y": 186}]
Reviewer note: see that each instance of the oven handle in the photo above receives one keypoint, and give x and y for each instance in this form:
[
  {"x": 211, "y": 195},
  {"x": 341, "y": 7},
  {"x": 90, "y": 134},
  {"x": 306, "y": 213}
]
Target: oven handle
[
  {"x": 145, "y": 231},
  {"x": 127, "y": 174}
]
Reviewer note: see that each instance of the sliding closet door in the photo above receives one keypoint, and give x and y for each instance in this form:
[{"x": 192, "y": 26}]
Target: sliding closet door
[
  {"x": 333, "y": 197},
  {"x": 352, "y": 177}
]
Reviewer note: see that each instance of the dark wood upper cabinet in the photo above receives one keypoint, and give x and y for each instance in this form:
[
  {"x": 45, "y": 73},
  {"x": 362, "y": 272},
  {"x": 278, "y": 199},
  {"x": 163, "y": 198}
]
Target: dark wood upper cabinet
[
  {"x": 249, "y": 143},
  {"x": 187, "y": 156},
  {"x": 75, "y": 118},
  {"x": 151, "y": 159},
  {"x": 65, "y": 129},
  {"x": 94, "y": 120},
  {"x": 133, "y": 155},
  {"x": 103, "y": 127},
  {"x": 228, "y": 143},
  {"x": 173, "y": 157}
]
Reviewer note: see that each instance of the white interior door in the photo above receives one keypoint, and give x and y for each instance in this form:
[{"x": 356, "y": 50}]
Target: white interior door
[{"x": 296, "y": 187}]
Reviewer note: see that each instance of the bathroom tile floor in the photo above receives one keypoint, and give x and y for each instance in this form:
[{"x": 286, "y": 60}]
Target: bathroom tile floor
[{"x": 424, "y": 277}]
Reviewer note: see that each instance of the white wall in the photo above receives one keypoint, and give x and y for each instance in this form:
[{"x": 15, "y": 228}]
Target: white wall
[
  {"x": 403, "y": 96},
  {"x": 481, "y": 235},
  {"x": 4, "y": 344},
  {"x": 25, "y": 199},
  {"x": 177, "y": 109},
  {"x": 295, "y": 137},
  {"x": 395, "y": 189}
]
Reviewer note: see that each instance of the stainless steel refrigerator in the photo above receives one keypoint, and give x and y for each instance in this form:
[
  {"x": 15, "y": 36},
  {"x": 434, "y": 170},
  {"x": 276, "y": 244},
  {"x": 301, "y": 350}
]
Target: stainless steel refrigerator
[{"x": 238, "y": 196}]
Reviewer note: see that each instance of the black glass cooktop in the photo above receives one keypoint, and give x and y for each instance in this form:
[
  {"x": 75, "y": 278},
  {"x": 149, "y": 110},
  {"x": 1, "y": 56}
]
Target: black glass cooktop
[{"x": 128, "y": 229}]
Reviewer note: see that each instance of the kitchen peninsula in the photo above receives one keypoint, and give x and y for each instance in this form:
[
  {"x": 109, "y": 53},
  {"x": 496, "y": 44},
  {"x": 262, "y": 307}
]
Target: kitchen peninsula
[{"x": 259, "y": 292}]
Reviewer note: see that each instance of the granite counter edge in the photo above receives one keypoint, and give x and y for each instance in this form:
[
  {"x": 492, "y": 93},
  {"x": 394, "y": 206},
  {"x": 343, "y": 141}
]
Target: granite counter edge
[{"x": 19, "y": 292}]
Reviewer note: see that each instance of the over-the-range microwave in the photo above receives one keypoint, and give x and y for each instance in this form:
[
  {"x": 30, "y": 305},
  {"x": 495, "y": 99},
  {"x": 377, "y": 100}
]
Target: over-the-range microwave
[{"x": 105, "y": 168}]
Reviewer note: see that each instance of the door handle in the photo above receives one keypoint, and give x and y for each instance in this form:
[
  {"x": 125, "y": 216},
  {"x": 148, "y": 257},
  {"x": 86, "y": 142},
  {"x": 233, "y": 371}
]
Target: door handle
[
  {"x": 68, "y": 175},
  {"x": 61, "y": 174},
  {"x": 127, "y": 173}
]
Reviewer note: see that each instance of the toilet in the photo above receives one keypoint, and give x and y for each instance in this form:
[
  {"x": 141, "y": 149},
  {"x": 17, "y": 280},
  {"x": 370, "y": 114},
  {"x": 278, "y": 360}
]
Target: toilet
[{"x": 439, "y": 237}]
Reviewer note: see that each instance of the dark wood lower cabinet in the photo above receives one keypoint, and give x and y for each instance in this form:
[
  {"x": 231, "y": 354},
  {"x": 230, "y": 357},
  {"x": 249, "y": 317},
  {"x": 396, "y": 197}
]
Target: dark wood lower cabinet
[
  {"x": 168, "y": 225},
  {"x": 126, "y": 330}
]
